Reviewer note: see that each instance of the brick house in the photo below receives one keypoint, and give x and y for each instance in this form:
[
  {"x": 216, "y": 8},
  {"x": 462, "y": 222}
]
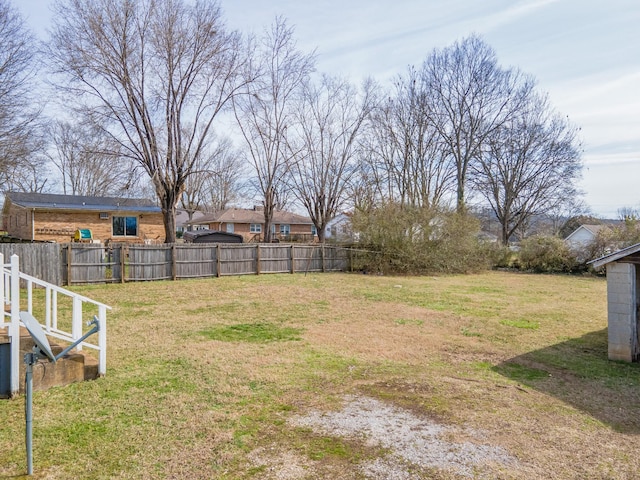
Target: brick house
[
  {"x": 56, "y": 218},
  {"x": 285, "y": 227}
]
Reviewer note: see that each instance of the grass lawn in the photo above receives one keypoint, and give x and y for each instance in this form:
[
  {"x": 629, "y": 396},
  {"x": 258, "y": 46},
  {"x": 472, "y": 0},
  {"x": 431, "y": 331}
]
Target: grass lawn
[{"x": 206, "y": 378}]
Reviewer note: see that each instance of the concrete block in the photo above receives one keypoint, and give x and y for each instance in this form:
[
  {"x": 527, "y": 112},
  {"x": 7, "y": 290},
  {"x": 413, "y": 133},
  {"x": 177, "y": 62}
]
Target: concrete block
[
  {"x": 620, "y": 353},
  {"x": 621, "y": 309},
  {"x": 620, "y": 336}
]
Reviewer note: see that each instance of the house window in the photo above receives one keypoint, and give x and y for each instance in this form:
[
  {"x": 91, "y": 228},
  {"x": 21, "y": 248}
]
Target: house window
[
  {"x": 125, "y": 226},
  {"x": 230, "y": 227},
  {"x": 273, "y": 228},
  {"x": 255, "y": 228},
  {"x": 285, "y": 229},
  {"x": 314, "y": 230}
]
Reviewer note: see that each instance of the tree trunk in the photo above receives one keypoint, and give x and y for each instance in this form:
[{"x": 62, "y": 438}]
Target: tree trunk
[
  {"x": 505, "y": 233},
  {"x": 168, "y": 204},
  {"x": 268, "y": 219}
]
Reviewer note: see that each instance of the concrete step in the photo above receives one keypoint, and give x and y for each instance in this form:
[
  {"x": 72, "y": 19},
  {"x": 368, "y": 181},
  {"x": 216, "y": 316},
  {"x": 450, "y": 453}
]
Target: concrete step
[{"x": 73, "y": 367}]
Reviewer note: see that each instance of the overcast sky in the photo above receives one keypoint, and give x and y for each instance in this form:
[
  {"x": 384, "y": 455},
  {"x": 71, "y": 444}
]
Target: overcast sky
[{"x": 584, "y": 53}]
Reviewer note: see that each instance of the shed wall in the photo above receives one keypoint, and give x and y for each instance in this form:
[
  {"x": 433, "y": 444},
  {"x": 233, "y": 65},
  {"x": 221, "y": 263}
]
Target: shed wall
[{"x": 622, "y": 307}]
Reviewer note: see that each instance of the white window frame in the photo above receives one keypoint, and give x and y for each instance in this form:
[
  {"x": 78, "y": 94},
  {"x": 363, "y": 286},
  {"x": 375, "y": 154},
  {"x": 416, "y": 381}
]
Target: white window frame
[
  {"x": 230, "y": 227},
  {"x": 255, "y": 228},
  {"x": 285, "y": 229}
]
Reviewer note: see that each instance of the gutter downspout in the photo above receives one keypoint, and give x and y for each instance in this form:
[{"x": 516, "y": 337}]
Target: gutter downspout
[{"x": 33, "y": 224}]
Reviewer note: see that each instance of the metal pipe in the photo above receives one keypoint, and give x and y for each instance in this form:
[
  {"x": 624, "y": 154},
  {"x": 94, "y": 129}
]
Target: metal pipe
[
  {"x": 95, "y": 329},
  {"x": 29, "y": 359}
]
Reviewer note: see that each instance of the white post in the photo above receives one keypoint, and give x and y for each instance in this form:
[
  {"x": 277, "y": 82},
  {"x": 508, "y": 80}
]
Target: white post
[
  {"x": 54, "y": 310},
  {"x": 47, "y": 308},
  {"x": 102, "y": 340},
  {"x": 30, "y": 296},
  {"x": 2, "y": 297},
  {"x": 14, "y": 329},
  {"x": 76, "y": 320}
]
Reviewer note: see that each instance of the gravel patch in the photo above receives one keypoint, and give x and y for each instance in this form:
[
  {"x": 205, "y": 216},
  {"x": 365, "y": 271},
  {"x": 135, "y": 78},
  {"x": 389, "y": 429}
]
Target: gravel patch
[
  {"x": 411, "y": 439},
  {"x": 279, "y": 465}
]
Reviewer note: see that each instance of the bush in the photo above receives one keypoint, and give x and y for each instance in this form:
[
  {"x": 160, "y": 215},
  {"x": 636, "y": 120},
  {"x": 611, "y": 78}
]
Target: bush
[
  {"x": 546, "y": 254},
  {"x": 419, "y": 240}
]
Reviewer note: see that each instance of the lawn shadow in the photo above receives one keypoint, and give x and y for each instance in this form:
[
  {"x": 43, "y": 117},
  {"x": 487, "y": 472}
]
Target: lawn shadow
[{"x": 578, "y": 372}]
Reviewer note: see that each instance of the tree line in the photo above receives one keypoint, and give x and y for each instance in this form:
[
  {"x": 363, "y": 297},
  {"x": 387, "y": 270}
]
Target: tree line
[{"x": 147, "y": 88}]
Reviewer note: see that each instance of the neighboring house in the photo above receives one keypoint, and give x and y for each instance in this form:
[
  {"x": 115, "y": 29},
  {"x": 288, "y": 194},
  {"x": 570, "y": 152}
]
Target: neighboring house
[
  {"x": 339, "y": 229},
  {"x": 56, "y": 218},
  {"x": 182, "y": 220},
  {"x": 583, "y": 236},
  {"x": 285, "y": 227}
]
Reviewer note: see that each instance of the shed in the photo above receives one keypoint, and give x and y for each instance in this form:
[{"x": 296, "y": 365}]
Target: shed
[
  {"x": 623, "y": 302},
  {"x": 211, "y": 236}
]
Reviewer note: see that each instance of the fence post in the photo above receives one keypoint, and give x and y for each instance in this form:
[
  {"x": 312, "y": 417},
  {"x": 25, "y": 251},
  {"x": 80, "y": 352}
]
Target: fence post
[
  {"x": 15, "y": 324},
  {"x": 293, "y": 259},
  {"x": 69, "y": 255},
  {"x": 174, "y": 273},
  {"x": 257, "y": 259},
  {"x": 322, "y": 257},
  {"x": 123, "y": 254},
  {"x": 218, "y": 263}
]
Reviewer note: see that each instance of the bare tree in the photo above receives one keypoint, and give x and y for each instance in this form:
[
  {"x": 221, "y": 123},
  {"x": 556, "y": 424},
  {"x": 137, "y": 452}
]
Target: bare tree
[
  {"x": 88, "y": 162},
  {"x": 19, "y": 137},
  {"x": 330, "y": 119},
  {"x": 216, "y": 181},
  {"x": 27, "y": 176},
  {"x": 417, "y": 168},
  {"x": 267, "y": 111},
  {"x": 470, "y": 97},
  {"x": 228, "y": 185},
  {"x": 154, "y": 75},
  {"x": 531, "y": 165}
]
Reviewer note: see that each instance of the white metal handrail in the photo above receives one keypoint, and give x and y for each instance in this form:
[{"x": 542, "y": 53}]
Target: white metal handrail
[{"x": 10, "y": 296}]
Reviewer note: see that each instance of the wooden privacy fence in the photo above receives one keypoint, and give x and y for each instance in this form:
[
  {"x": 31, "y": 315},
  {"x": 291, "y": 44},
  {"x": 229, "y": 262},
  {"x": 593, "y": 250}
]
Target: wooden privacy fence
[
  {"x": 95, "y": 263},
  {"x": 40, "y": 260}
]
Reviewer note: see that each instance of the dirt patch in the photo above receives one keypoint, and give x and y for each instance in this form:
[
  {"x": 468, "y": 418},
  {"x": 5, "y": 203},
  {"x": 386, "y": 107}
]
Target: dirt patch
[{"x": 411, "y": 441}]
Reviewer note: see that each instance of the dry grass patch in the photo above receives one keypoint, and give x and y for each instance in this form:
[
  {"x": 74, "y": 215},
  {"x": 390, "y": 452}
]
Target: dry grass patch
[{"x": 205, "y": 376}]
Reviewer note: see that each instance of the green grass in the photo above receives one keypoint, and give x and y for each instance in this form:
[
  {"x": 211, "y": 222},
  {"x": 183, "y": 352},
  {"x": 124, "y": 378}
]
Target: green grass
[
  {"x": 252, "y": 332},
  {"x": 217, "y": 367},
  {"x": 526, "y": 324}
]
